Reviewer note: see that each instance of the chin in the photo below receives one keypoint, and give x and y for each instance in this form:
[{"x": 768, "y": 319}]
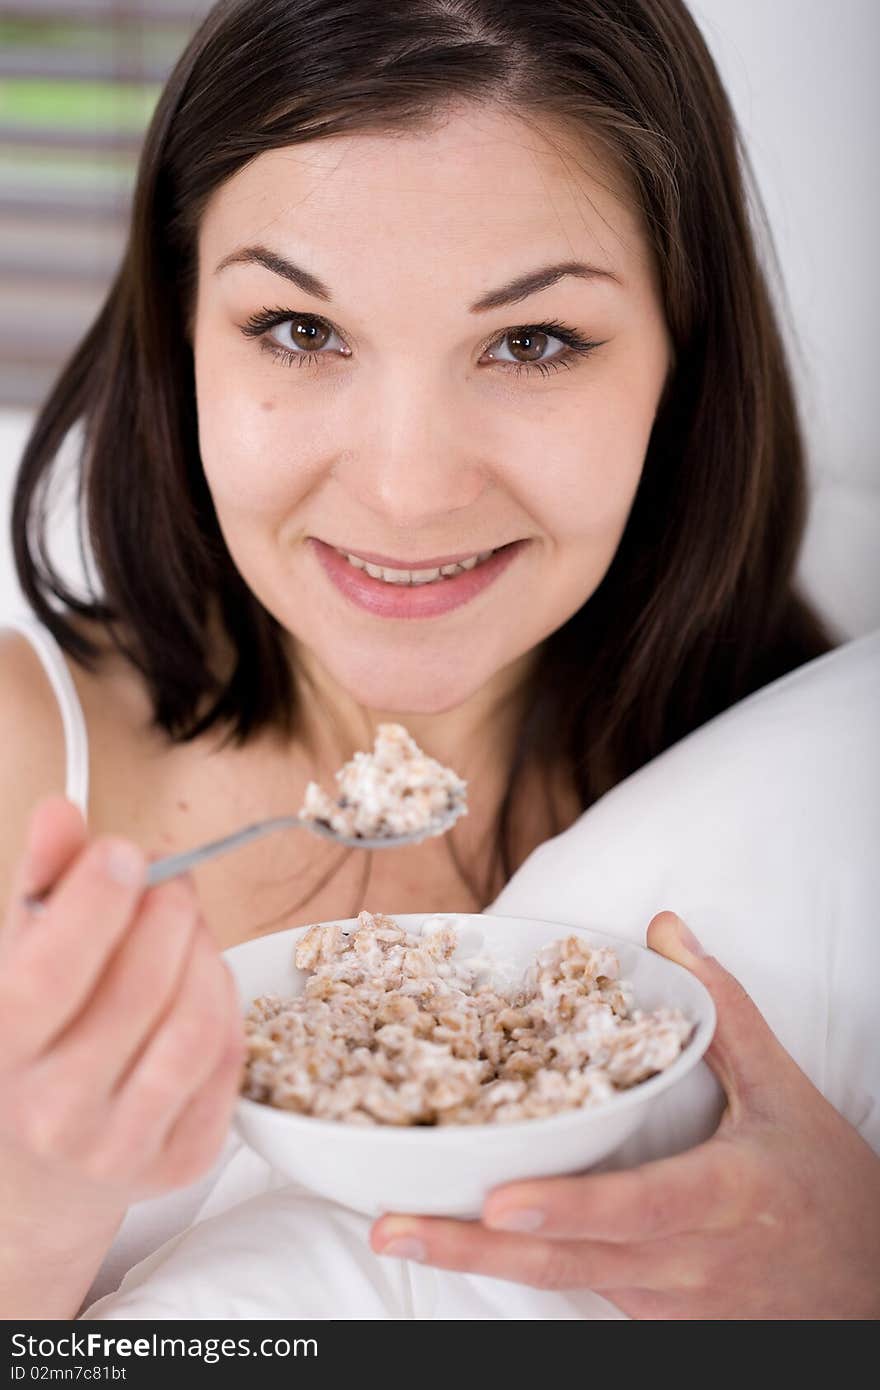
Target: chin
[{"x": 410, "y": 688}]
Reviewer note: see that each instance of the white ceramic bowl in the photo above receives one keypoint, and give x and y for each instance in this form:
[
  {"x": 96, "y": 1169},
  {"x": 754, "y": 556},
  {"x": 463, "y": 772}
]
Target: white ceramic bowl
[{"x": 448, "y": 1170}]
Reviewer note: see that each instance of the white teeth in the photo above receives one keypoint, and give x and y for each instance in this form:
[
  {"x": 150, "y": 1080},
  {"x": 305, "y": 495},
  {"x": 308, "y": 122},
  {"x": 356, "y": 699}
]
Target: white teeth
[{"x": 392, "y": 576}]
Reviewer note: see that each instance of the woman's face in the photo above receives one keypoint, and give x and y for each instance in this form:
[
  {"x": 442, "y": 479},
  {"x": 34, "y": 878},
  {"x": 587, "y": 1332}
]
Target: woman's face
[{"x": 417, "y": 430}]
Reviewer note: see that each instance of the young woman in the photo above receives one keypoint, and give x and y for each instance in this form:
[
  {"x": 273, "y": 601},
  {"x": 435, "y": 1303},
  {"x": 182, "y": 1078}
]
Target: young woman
[{"x": 407, "y": 285}]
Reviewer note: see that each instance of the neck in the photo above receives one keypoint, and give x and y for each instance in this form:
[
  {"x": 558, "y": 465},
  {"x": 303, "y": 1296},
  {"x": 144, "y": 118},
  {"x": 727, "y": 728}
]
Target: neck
[{"x": 476, "y": 738}]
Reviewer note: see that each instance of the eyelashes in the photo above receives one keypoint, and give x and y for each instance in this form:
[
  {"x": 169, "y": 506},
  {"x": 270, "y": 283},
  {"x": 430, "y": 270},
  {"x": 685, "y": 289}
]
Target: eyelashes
[{"x": 576, "y": 347}]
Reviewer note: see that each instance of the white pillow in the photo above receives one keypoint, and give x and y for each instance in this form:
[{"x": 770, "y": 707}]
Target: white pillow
[{"x": 762, "y": 831}]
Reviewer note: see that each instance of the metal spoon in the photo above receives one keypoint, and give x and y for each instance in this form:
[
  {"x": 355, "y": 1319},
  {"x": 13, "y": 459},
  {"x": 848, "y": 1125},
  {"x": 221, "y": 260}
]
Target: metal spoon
[{"x": 173, "y": 864}]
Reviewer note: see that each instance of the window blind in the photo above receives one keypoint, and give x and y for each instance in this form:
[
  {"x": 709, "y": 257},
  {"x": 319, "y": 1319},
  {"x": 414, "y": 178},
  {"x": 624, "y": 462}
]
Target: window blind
[{"x": 78, "y": 83}]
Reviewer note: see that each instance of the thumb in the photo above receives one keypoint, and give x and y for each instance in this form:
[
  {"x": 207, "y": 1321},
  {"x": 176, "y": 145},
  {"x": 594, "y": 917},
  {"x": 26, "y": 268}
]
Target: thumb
[
  {"x": 744, "y": 1051},
  {"x": 56, "y": 834}
]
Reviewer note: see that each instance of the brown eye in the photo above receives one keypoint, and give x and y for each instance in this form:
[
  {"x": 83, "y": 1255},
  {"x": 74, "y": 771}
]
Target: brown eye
[
  {"x": 308, "y": 334},
  {"x": 529, "y": 345}
]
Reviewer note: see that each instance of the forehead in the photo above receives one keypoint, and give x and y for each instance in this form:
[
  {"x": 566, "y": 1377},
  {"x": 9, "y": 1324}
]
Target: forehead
[{"x": 479, "y": 186}]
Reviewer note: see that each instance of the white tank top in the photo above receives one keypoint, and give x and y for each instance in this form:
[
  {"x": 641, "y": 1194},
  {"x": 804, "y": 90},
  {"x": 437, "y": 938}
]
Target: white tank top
[{"x": 76, "y": 739}]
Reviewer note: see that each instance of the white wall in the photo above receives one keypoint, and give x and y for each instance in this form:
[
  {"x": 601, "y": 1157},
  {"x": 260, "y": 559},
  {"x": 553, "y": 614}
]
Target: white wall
[
  {"x": 802, "y": 77},
  {"x": 801, "y": 74}
]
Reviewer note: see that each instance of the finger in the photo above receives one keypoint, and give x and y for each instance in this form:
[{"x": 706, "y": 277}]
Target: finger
[
  {"x": 744, "y": 1054},
  {"x": 184, "y": 1049},
  {"x": 140, "y": 980},
  {"x": 54, "y": 967},
  {"x": 543, "y": 1264},
  {"x": 709, "y": 1188},
  {"x": 55, "y": 835},
  {"x": 195, "y": 1138}
]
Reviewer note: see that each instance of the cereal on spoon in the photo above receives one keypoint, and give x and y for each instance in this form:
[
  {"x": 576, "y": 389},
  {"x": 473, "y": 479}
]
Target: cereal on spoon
[
  {"x": 394, "y": 1028},
  {"x": 395, "y": 790}
]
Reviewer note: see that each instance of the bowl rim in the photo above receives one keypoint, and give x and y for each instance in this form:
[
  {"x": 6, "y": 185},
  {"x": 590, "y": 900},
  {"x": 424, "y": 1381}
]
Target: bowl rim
[{"x": 688, "y": 1058}]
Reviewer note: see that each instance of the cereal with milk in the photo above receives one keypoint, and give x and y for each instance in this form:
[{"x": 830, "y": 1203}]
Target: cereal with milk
[
  {"x": 394, "y": 790},
  {"x": 403, "y": 1028}
]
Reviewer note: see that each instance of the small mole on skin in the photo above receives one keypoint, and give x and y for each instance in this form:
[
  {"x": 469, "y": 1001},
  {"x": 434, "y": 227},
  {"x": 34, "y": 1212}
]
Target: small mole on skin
[
  {"x": 183, "y": 805},
  {"x": 268, "y": 405}
]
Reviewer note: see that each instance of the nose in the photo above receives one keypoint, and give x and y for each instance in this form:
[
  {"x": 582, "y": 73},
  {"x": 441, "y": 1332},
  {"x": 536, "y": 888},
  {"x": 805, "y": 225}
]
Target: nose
[{"x": 415, "y": 460}]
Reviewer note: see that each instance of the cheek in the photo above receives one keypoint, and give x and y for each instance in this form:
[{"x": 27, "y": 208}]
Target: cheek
[
  {"x": 583, "y": 478},
  {"x": 248, "y": 443}
]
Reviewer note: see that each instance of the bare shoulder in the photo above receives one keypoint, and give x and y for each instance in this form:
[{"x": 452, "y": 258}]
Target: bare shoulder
[
  {"x": 32, "y": 746},
  {"x": 32, "y": 742},
  {"x": 27, "y": 692},
  {"x": 32, "y": 753}
]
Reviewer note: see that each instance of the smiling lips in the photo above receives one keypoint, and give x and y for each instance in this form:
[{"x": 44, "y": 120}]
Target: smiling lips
[
  {"x": 387, "y": 591},
  {"x": 423, "y": 572}
]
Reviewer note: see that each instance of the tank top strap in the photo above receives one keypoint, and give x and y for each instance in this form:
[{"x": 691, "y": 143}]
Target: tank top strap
[{"x": 75, "y": 735}]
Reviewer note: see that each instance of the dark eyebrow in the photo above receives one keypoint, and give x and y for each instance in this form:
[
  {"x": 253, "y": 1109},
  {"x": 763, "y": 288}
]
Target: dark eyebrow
[
  {"x": 511, "y": 293},
  {"x": 259, "y": 255},
  {"x": 540, "y": 279}
]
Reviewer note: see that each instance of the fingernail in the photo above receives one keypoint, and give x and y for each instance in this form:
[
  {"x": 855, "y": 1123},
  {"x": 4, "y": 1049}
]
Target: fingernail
[
  {"x": 124, "y": 863},
  {"x": 405, "y": 1248},
  {"x": 689, "y": 941},
  {"x": 522, "y": 1219}
]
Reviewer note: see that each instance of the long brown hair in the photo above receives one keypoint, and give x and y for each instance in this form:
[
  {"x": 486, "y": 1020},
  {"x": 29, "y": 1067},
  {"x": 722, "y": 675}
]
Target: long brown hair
[{"x": 698, "y": 607}]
